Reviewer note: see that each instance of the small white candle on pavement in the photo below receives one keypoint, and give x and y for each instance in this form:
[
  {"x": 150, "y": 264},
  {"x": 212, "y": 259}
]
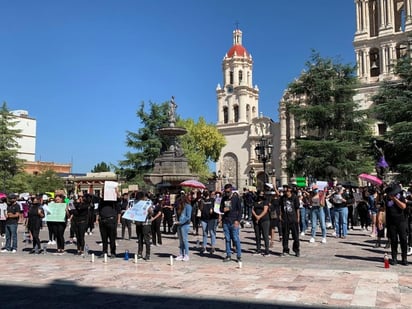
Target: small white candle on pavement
[
  {"x": 92, "y": 257},
  {"x": 171, "y": 260},
  {"x": 135, "y": 258},
  {"x": 105, "y": 258}
]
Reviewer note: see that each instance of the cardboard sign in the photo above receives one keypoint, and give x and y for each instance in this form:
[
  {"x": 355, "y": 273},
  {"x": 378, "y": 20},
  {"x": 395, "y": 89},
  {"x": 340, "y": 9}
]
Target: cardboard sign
[{"x": 56, "y": 212}]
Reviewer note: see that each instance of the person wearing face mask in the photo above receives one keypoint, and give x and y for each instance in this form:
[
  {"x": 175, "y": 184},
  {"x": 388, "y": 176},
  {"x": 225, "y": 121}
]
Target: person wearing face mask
[
  {"x": 289, "y": 215},
  {"x": 231, "y": 209},
  {"x": 261, "y": 222},
  {"x": 35, "y": 216},
  {"x": 396, "y": 222}
]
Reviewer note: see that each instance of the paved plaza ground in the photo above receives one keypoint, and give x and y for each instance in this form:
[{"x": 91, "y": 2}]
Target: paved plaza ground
[{"x": 343, "y": 273}]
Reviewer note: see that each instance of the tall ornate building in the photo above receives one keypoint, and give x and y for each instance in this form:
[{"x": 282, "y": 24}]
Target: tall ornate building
[
  {"x": 240, "y": 122},
  {"x": 383, "y": 35}
]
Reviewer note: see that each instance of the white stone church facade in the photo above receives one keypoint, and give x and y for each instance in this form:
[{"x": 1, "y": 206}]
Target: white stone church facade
[{"x": 383, "y": 35}]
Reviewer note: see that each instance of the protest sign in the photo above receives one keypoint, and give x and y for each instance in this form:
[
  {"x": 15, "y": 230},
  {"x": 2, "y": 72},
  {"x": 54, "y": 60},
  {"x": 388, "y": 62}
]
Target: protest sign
[
  {"x": 138, "y": 211},
  {"x": 56, "y": 212}
]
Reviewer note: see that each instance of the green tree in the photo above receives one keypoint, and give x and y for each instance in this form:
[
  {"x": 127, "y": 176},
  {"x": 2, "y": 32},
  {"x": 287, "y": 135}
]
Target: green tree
[
  {"x": 46, "y": 181},
  {"x": 335, "y": 135},
  {"x": 202, "y": 143},
  {"x": 10, "y": 164},
  {"x": 146, "y": 143},
  {"x": 393, "y": 106},
  {"x": 101, "y": 167}
]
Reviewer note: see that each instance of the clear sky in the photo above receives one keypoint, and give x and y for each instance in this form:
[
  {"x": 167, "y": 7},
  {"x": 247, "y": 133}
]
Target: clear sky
[{"x": 82, "y": 68}]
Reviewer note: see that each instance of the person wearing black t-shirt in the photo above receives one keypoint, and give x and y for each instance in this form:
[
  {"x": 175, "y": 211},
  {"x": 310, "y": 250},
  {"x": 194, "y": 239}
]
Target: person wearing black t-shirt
[
  {"x": 261, "y": 222},
  {"x": 35, "y": 215},
  {"x": 396, "y": 223},
  {"x": 80, "y": 220},
  {"x": 12, "y": 219},
  {"x": 289, "y": 214},
  {"x": 108, "y": 218},
  {"x": 208, "y": 221}
]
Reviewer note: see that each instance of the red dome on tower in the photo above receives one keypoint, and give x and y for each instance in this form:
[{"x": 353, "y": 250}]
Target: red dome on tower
[{"x": 239, "y": 49}]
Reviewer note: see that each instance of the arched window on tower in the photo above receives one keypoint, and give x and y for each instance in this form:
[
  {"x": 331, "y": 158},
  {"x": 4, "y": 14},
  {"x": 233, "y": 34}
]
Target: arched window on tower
[
  {"x": 374, "y": 62},
  {"x": 373, "y": 19},
  {"x": 225, "y": 115},
  {"x": 236, "y": 113},
  {"x": 248, "y": 78},
  {"x": 240, "y": 77},
  {"x": 231, "y": 77},
  {"x": 247, "y": 112}
]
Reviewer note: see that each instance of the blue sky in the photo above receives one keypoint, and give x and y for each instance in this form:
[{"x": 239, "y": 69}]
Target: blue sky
[{"x": 82, "y": 68}]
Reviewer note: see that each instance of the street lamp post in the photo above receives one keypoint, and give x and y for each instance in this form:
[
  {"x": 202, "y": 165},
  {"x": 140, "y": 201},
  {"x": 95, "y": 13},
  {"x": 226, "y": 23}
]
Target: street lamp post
[{"x": 264, "y": 153}]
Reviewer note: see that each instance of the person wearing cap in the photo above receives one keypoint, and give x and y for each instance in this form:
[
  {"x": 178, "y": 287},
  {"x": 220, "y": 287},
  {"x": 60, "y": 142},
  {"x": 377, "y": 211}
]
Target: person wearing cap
[{"x": 12, "y": 219}]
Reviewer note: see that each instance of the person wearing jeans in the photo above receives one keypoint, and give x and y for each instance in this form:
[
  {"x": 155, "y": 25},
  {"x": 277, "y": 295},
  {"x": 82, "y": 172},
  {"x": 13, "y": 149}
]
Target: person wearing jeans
[
  {"x": 184, "y": 215},
  {"x": 341, "y": 213},
  {"x": 12, "y": 219},
  {"x": 317, "y": 212},
  {"x": 208, "y": 221},
  {"x": 231, "y": 208}
]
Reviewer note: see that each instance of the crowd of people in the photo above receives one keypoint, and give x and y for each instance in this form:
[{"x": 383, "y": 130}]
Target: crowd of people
[{"x": 289, "y": 211}]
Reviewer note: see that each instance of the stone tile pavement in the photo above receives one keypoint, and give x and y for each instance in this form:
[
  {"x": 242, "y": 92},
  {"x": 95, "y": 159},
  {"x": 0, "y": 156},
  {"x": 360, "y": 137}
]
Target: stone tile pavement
[{"x": 343, "y": 273}]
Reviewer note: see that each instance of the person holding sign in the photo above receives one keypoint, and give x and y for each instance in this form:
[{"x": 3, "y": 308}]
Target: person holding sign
[
  {"x": 144, "y": 210},
  {"x": 59, "y": 215},
  {"x": 35, "y": 215},
  {"x": 108, "y": 217}
]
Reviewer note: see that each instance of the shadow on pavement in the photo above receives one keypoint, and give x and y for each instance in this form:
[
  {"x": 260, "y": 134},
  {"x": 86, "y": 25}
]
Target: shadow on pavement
[{"x": 67, "y": 294}]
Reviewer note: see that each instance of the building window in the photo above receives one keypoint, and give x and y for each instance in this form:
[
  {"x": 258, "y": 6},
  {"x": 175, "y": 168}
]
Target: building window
[
  {"x": 240, "y": 77},
  {"x": 225, "y": 115},
  {"x": 236, "y": 113},
  {"x": 231, "y": 77},
  {"x": 381, "y": 129}
]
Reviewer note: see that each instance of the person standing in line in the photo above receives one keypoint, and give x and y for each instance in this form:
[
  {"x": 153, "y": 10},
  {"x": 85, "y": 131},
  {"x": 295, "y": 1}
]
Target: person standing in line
[
  {"x": 231, "y": 209},
  {"x": 289, "y": 214},
  {"x": 261, "y": 222},
  {"x": 35, "y": 216},
  {"x": 12, "y": 219},
  {"x": 108, "y": 217},
  {"x": 156, "y": 219},
  {"x": 124, "y": 205},
  {"x": 144, "y": 228},
  {"x": 183, "y": 216}
]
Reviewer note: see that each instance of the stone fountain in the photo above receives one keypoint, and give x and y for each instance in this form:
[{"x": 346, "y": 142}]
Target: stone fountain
[{"x": 171, "y": 167}]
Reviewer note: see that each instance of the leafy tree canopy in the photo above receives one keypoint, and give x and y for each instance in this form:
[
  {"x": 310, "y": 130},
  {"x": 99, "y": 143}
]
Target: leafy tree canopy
[
  {"x": 101, "y": 167},
  {"x": 393, "y": 106},
  {"x": 334, "y": 133}
]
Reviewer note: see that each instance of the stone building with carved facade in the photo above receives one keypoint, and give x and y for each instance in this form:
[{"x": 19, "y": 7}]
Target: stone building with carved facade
[
  {"x": 241, "y": 123},
  {"x": 383, "y": 35}
]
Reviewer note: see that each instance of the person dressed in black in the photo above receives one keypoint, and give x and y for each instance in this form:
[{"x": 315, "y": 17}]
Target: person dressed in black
[
  {"x": 274, "y": 214},
  {"x": 396, "y": 222},
  {"x": 156, "y": 222},
  {"x": 108, "y": 217},
  {"x": 124, "y": 205},
  {"x": 261, "y": 222},
  {"x": 208, "y": 221},
  {"x": 167, "y": 210},
  {"x": 35, "y": 216},
  {"x": 80, "y": 220},
  {"x": 289, "y": 215},
  {"x": 144, "y": 228}
]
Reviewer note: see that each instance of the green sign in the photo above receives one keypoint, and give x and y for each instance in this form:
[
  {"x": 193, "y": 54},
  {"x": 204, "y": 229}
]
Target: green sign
[
  {"x": 301, "y": 181},
  {"x": 56, "y": 212}
]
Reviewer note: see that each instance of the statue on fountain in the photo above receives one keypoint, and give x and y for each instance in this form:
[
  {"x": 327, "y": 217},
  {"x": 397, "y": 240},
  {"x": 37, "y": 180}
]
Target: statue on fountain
[{"x": 172, "y": 112}]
